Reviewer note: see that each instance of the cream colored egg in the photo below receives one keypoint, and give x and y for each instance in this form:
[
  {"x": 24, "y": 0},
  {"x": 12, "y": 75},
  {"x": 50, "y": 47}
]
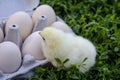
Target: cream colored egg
[
  {"x": 10, "y": 57},
  {"x": 62, "y": 26},
  {"x": 32, "y": 46},
  {"x": 1, "y": 35},
  {"x": 44, "y": 10},
  {"x": 23, "y": 20}
]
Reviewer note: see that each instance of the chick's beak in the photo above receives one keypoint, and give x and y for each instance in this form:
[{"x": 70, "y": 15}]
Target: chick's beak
[
  {"x": 39, "y": 33},
  {"x": 41, "y": 36}
]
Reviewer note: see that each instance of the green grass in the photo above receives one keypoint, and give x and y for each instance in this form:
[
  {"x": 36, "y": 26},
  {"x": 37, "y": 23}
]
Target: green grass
[{"x": 98, "y": 21}]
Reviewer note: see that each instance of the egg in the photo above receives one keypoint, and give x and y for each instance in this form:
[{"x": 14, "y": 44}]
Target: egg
[
  {"x": 62, "y": 26},
  {"x": 32, "y": 46},
  {"x": 1, "y": 35},
  {"x": 44, "y": 10},
  {"x": 10, "y": 57},
  {"x": 23, "y": 20}
]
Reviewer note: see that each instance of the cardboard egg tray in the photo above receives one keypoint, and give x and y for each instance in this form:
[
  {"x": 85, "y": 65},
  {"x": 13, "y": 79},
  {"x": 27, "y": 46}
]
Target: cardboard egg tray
[{"x": 29, "y": 62}]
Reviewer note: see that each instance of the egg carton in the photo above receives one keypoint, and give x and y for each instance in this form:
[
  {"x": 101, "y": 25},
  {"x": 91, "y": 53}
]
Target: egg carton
[{"x": 29, "y": 62}]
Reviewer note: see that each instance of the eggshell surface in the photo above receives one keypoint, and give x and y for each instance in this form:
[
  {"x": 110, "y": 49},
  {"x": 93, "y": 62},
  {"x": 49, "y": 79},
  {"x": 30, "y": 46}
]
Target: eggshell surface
[
  {"x": 23, "y": 20},
  {"x": 10, "y": 57},
  {"x": 32, "y": 46},
  {"x": 62, "y": 26},
  {"x": 44, "y": 10}
]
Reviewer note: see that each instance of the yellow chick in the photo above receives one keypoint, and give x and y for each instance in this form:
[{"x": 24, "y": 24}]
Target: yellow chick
[{"x": 58, "y": 44}]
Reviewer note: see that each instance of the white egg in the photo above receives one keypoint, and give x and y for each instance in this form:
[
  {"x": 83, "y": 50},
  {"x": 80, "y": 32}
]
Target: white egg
[
  {"x": 10, "y": 57},
  {"x": 1, "y": 35},
  {"x": 32, "y": 46},
  {"x": 62, "y": 26},
  {"x": 44, "y": 10},
  {"x": 23, "y": 20}
]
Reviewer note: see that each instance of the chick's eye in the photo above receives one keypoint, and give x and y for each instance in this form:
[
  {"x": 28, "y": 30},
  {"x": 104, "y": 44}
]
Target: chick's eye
[{"x": 43, "y": 38}]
